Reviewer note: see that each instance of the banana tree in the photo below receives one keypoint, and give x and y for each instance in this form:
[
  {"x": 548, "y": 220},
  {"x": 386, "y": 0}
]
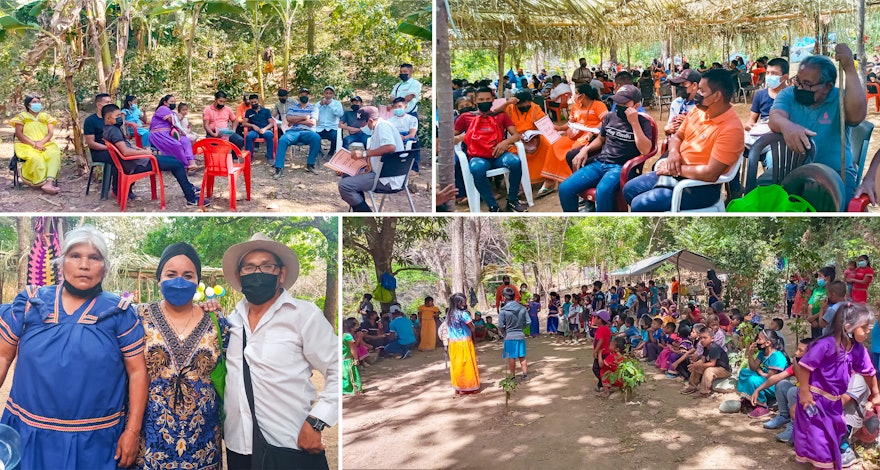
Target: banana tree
[
  {"x": 418, "y": 24},
  {"x": 286, "y": 12},
  {"x": 258, "y": 14}
]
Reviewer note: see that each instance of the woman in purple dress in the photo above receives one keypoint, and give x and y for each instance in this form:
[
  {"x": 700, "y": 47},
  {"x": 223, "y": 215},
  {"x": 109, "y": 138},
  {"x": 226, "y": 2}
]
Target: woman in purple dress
[
  {"x": 823, "y": 376},
  {"x": 166, "y": 137}
]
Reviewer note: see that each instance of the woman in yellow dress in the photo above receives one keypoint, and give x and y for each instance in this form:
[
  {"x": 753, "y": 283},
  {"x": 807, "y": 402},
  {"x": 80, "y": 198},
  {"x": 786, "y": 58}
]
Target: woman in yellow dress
[
  {"x": 41, "y": 157},
  {"x": 428, "y": 314}
]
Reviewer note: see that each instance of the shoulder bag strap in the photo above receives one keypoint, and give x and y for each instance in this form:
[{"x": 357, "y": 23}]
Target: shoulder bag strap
[{"x": 249, "y": 391}]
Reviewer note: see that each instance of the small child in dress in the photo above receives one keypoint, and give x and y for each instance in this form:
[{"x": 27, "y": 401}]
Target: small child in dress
[
  {"x": 667, "y": 340},
  {"x": 849, "y": 273},
  {"x": 417, "y": 327},
  {"x": 574, "y": 319},
  {"x": 534, "y": 308},
  {"x": 479, "y": 327},
  {"x": 601, "y": 344},
  {"x": 609, "y": 364},
  {"x": 553, "y": 314},
  {"x": 182, "y": 112}
]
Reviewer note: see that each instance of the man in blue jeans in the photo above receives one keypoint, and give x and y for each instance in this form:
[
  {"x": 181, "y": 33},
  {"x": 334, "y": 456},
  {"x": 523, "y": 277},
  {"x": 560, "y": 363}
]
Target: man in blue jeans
[
  {"x": 402, "y": 333},
  {"x": 482, "y": 161},
  {"x": 303, "y": 120},
  {"x": 623, "y": 135}
]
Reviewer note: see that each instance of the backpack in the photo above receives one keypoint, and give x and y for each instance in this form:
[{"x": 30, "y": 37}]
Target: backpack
[
  {"x": 482, "y": 136},
  {"x": 387, "y": 281}
]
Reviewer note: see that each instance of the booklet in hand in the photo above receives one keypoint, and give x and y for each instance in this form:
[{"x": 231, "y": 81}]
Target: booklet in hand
[{"x": 344, "y": 162}]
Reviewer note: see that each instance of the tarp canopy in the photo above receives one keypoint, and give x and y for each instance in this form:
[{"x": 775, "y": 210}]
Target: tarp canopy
[{"x": 685, "y": 259}]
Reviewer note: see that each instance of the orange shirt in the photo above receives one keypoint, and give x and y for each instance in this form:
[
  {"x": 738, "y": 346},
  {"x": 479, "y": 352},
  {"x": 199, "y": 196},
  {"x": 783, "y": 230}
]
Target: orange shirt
[
  {"x": 591, "y": 116},
  {"x": 721, "y": 138},
  {"x": 525, "y": 121},
  {"x": 674, "y": 288},
  {"x": 240, "y": 110},
  {"x": 499, "y": 298}
]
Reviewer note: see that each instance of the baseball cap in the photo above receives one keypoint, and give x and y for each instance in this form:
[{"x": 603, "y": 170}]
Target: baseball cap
[
  {"x": 627, "y": 93},
  {"x": 304, "y": 90},
  {"x": 330, "y": 87},
  {"x": 357, "y": 98},
  {"x": 368, "y": 112},
  {"x": 603, "y": 314},
  {"x": 394, "y": 308},
  {"x": 688, "y": 75}
]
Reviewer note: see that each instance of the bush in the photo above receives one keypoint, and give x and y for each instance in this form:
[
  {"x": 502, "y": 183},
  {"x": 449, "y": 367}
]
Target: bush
[
  {"x": 319, "y": 70},
  {"x": 146, "y": 76}
]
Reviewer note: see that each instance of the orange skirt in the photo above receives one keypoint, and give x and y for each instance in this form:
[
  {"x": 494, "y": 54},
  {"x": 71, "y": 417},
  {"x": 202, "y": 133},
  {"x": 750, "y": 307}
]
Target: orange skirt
[
  {"x": 538, "y": 159},
  {"x": 463, "y": 366},
  {"x": 556, "y": 167}
]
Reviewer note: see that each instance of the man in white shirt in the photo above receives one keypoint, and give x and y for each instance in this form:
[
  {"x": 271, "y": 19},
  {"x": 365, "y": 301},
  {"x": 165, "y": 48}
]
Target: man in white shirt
[
  {"x": 409, "y": 89},
  {"x": 559, "y": 88},
  {"x": 384, "y": 139},
  {"x": 275, "y": 343},
  {"x": 329, "y": 112}
]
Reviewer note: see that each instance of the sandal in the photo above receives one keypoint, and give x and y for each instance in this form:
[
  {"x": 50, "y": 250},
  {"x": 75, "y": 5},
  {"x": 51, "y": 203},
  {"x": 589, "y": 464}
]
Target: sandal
[{"x": 545, "y": 191}]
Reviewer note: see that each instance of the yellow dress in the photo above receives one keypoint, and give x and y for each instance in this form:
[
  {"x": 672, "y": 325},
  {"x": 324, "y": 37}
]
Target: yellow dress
[
  {"x": 37, "y": 165},
  {"x": 428, "y": 339}
]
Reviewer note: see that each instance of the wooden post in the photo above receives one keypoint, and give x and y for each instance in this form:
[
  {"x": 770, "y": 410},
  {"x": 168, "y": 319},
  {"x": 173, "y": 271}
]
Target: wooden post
[
  {"x": 860, "y": 48},
  {"x": 501, "y": 47}
]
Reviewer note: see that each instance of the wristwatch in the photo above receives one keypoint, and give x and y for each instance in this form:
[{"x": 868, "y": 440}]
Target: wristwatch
[{"x": 316, "y": 423}]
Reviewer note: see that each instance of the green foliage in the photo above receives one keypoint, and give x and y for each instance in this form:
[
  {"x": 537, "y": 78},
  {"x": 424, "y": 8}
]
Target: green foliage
[
  {"x": 319, "y": 70},
  {"x": 799, "y": 327},
  {"x": 145, "y": 76},
  {"x": 630, "y": 373},
  {"x": 508, "y": 384}
]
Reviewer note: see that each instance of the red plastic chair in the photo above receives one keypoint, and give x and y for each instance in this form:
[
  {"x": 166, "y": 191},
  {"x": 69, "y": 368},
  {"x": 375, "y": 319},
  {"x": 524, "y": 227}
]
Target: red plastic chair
[
  {"x": 274, "y": 138},
  {"x": 874, "y": 92},
  {"x": 631, "y": 169},
  {"x": 126, "y": 180},
  {"x": 132, "y": 128},
  {"x": 218, "y": 162}
]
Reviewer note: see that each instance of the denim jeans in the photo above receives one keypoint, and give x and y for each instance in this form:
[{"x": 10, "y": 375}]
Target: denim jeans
[
  {"x": 359, "y": 137},
  {"x": 605, "y": 177},
  {"x": 330, "y": 134},
  {"x": 395, "y": 347},
  {"x": 175, "y": 167},
  {"x": 479, "y": 167},
  {"x": 785, "y": 390},
  {"x": 294, "y": 137},
  {"x": 641, "y": 195},
  {"x": 270, "y": 143}
]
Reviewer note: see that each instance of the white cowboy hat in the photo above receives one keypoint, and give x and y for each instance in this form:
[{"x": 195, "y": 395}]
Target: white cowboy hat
[{"x": 259, "y": 241}]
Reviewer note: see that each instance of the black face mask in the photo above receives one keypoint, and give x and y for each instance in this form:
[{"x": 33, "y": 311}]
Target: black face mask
[
  {"x": 172, "y": 106},
  {"x": 506, "y": 283},
  {"x": 621, "y": 112},
  {"x": 524, "y": 109},
  {"x": 805, "y": 97},
  {"x": 698, "y": 100},
  {"x": 282, "y": 100},
  {"x": 83, "y": 293},
  {"x": 259, "y": 288},
  {"x": 303, "y": 99},
  {"x": 219, "y": 106},
  {"x": 355, "y": 107},
  {"x": 119, "y": 121},
  {"x": 466, "y": 109},
  {"x": 485, "y": 106},
  {"x": 682, "y": 92},
  {"x": 404, "y": 77},
  {"x": 255, "y": 106}
]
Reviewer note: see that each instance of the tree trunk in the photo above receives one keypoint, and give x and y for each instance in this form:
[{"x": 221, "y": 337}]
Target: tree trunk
[
  {"x": 331, "y": 292},
  {"x": 25, "y": 230},
  {"x": 458, "y": 265},
  {"x": 287, "y": 26},
  {"x": 65, "y": 15},
  {"x": 860, "y": 47},
  {"x": 310, "y": 31},
  {"x": 97, "y": 24},
  {"x": 381, "y": 246},
  {"x": 475, "y": 237},
  {"x": 189, "y": 49},
  {"x": 613, "y": 52},
  {"x": 445, "y": 154},
  {"x": 122, "y": 29}
]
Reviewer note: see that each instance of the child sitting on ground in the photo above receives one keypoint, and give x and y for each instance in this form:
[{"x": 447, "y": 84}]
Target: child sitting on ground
[
  {"x": 736, "y": 323},
  {"x": 653, "y": 346},
  {"x": 632, "y": 334},
  {"x": 491, "y": 329},
  {"x": 644, "y": 334},
  {"x": 776, "y": 325},
  {"x": 679, "y": 347},
  {"x": 786, "y": 394},
  {"x": 718, "y": 335},
  {"x": 479, "y": 327},
  {"x": 616, "y": 325},
  {"x": 609, "y": 364},
  {"x": 666, "y": 341},
  {"x": 689, "y": 350}
]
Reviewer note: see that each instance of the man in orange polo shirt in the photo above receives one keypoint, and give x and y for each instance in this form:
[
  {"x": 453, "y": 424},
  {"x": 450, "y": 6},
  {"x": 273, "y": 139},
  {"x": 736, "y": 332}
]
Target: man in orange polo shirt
[
  {"x": 505, "y": 282},
  {"x": 709, "y": 141}
]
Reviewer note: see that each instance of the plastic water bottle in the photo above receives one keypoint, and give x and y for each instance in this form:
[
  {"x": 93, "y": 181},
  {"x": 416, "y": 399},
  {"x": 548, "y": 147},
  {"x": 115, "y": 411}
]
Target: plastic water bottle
[
  {"x": 10, "y": 447},
  {"x": 811, "y": 410}
]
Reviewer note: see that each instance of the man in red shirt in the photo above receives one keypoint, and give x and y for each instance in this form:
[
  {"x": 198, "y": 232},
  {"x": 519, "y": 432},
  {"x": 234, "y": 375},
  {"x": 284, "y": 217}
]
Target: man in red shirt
[
  {"x": 474, "y": 129},
  {"x": 499, "y": 298}
]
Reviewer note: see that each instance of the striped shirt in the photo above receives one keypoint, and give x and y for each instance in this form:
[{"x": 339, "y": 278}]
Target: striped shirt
[{"x": 310, "y": 111}]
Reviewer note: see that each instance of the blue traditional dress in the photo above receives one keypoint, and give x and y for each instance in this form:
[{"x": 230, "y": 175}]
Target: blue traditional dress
[
  {"x": 749, "y": 380},
  {"x": 70, "y": 386},
  {"x": 133, "y": 115},
  {"x": 182, "y": 425}
]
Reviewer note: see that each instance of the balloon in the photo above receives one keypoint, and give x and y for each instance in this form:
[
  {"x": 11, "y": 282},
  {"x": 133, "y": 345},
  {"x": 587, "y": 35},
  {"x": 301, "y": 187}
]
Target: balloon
[
  {"x": 218, "y": 290},
  {"x": 198, "y": 296},
  {"x": 209, "y": 292},
  {"x": 201, "y": 287}
]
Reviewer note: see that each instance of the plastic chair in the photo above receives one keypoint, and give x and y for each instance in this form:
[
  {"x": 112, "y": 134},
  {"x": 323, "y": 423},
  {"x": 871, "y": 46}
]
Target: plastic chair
[
  {"x": 631, "y": 169},
  {"x": 471, "y": 190},
  {"x": 874, "y": 92},
  {"x": 105, "y": 175},
  {"x": 13, "y": 166},
  {"x": 392, "y": 165},
  {"x": 218, "y": 162},
  {"x": 260, "y": 139},
  {"x": 818, "y": 184},
  {"x": 665, "y": 97},
  {"x": 784, "y": 160},
  {"x": 678, "y": 190},
  {"x": 860, "y": 137},
  {"x": 131, "y": 130},
  {"x": 124, "y": 181},
  {"x": 562, "y": 110}
]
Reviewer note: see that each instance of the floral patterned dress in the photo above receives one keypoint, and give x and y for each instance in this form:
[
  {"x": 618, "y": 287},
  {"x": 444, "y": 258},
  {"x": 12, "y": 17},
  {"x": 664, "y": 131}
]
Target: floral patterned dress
[{"x": 182, "y": 424}]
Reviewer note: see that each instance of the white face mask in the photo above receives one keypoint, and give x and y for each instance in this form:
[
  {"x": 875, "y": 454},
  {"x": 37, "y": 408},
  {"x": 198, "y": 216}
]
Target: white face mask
[{"x": 366, "y": 130}]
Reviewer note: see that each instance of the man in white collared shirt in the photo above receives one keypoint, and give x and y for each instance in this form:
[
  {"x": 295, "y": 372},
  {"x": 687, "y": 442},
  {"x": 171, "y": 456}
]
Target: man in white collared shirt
[
  {"x": 409, "y": 89},
  {"x": 284, "y": 340}
]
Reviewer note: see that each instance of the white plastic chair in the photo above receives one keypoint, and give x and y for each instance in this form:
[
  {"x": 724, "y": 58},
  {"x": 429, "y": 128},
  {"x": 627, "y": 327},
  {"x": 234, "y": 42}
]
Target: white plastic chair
[
  {"x": 679, "y": 188},
  {"x": 471, "y": 190}
]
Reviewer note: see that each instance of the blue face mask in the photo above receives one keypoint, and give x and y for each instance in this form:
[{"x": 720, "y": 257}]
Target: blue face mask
[
  {"x": 178, "y": 291},
  {"x": 366, "y": 130},
  {"x": 36, "y": 107},
  {"x": 863, "y": 264},
  {"x": 399, "y": 112},
  {"x": 773, "y": 81},
  {"x": 820, "y": 282}
]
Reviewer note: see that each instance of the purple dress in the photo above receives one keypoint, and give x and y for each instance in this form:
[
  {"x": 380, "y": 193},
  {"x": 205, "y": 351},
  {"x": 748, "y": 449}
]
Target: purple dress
[
  {"x": 161, "y": 138},
  {"x": 817, "y": 439}
]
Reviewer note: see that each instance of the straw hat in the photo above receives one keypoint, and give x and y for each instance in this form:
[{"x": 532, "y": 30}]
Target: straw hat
[{"x": 233, "y": 256}]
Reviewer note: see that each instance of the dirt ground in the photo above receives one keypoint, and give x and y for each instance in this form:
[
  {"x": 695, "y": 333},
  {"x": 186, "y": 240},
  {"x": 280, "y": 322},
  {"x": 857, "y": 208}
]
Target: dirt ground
[
  {"x": 331, "y": 435},
  {"x": 550, "y": 202},
  {"x": 297, "y": 191},
  {"x": 408, "y": 418}
]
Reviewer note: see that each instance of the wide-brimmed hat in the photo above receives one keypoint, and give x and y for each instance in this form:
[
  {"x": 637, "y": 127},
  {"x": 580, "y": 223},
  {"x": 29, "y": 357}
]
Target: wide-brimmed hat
[{"x": 233, "y": 256}]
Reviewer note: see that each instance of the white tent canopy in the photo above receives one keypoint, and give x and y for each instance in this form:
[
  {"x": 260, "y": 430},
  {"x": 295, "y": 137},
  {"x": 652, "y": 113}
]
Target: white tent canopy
[{"x": 682, "y": 259}]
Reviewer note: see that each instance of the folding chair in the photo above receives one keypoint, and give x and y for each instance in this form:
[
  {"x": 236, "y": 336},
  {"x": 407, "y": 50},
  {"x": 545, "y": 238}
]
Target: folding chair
[
  {"x": 393, "y": 165},
  {"x": 219, "y": 162},
  {"x": 13, "y": 166},
  {"x": 785, "y": 160},
  {"x": 124, "y": 180},
  {"x": 678, "y": 190},
  {"x": 105, "y": 175},
  {"x": 471, "y": 190},
  {"x": 665, "y": 97}
]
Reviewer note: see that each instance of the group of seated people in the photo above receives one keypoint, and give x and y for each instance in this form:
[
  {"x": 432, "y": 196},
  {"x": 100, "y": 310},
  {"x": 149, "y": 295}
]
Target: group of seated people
[{"x": 704, "y": 137}]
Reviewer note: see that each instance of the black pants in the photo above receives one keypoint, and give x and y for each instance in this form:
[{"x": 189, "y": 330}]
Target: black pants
[
  {"x": 175, "y": 167},
  {"x": 236, "y": 461},
  {"x": 788, "y": 306},
  {"x": 331, "y": 136},
  {"x": 597, "y": 372}
]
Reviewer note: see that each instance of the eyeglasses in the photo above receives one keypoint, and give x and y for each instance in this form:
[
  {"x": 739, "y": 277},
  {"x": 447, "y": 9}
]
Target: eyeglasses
[
  {"x": 797, "y": 83},
  {"x": 267, "y": 268}
]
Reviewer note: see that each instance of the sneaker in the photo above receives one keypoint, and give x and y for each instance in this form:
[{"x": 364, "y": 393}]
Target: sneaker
[
  {"x": 759, "y": 412},
  {"x": 517, "y": 207},
  {"x": 311, "y": 169},
  {"x": 525, "y": 377},
  {"x": 195, "y": 201},
  {"x": 688, "y": 390},
  {"x": 495, "y": 209},
  {"x": 848, "y": 458},
  {"x": 786, "y": 434},
  {"x": 777, "y": 422},
  {"x": 405, "y": 355},
  {"x": 279, "y": 172}
]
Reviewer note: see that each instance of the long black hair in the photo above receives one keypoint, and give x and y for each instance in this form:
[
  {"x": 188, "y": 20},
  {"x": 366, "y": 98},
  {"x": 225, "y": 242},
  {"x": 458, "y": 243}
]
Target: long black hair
[
  {"x": 457, "y": 302},
  {"x": 126, "y": 104},
  {"x": 716, "y": 283},
  {"x": 852, "y": 314},
  {"x": 164, "y": 100}
]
